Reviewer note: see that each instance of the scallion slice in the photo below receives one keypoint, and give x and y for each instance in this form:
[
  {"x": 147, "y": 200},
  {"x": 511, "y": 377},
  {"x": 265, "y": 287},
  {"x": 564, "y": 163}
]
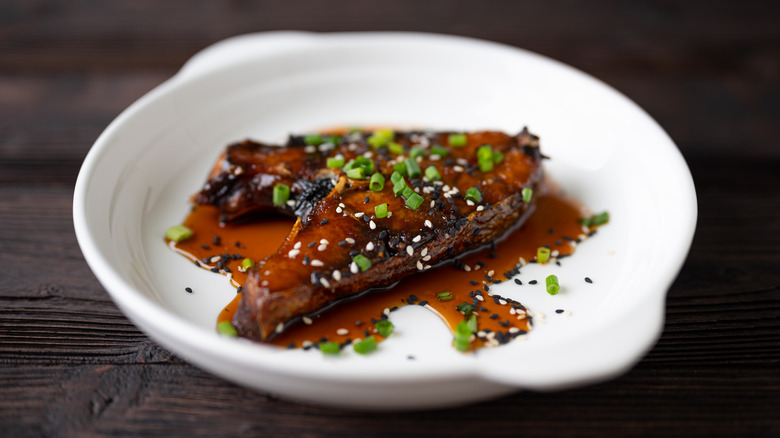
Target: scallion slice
[
  {"x": 498, "y": 157},
  {"x": 414, "y": 201},
  {"x": 462, "y": 336},
  {"x": 395, "y": 148},
  {"x": 331, "y": 347},
  {"x": 407, "y": 192},
  {"x": 281, "y": 194},
  {"x": 552, "y": 285},
  {"x": 416, "y": 151},
  {"x": 412, "y": 168},
  {"x": 365, "y": 346},
  {"x": 485, "y": 158},
  {"x": 542, "y": 254},
  {"x": 595, "y": 220},
  {"x": 335, "y": 162},
  {"x": 247, "y": 263},
  {"x": 457, "y": 140},
  {"x": 439, "y": 150},
  {"x": 527, "y": 194},
  {"x": 396, "y": 177},
  {"x": 381, "y": 138},
  {"x": 377, "y": 182},
  {"x": 381, "y": 211},
  {"x": 384, "y": 327},
  {"x": 225, "y": 328},
  {"x": 362, "y": 261},
  {"x": 473, "y": 194},
  {"x": 400, "y": 168},
  {"x": 465, "y": 308},
  {"x": 432, "y": 173},
  {"x": 178, "y": 233},
  {"x": 399, "y": 187},
  {"x": 356, "y": 173},
  {"x": 313, "y": 139}
]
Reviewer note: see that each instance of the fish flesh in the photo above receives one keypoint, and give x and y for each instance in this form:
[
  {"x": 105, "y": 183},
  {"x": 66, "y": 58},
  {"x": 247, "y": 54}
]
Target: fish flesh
[{"x": 443, "y": 194}]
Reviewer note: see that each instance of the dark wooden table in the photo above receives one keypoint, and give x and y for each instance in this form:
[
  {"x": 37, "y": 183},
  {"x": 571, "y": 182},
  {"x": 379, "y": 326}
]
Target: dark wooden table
[{"x": 708, "y": 71}]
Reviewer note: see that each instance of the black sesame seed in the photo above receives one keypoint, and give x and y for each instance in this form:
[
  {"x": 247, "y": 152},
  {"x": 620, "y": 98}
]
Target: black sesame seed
[
  {"x": 473, "y": 283},
  {"x": 324, "y": 221},
  {"x": 366, "y": 333},
  {"x": 365, "y": 201},
  {"x": 588, "y": 280},
  {"x": 197, "y": 263},
  {"x": 492, "y": 255},
  {"x": 205, "y": 246},
  {"x": 342, "y": 243},
  {"x": 366, "y": 219},
  {"x": 311, "y": 244},
  {"x": 394, "y": 308},
  {"x": 215, "y": 270},
  {"x": 188, "y": 289},
  {"x": 494, "y": 316},
  {"x": 423, "y": 303},
  {"x": 291, "y": 345},
  {"x": 558, "y": 310},
  {"x": 532, "y": 282},
  {"x": 305, "y": 260}
]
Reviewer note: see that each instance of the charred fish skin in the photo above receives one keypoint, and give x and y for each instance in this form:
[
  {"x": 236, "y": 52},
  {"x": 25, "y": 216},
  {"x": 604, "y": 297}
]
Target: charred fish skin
[{"x": 301, "y": 278}]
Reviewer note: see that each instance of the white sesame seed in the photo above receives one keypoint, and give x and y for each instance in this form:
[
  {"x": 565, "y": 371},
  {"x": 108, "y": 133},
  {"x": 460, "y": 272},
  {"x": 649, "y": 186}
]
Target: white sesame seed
[
  {"x": 426, "y": 258},
  {"x": 389, "y": 214},
  {"x": 353, "y": 268},
  {"x": 342, "y": 332},
  {"x": 297, "y": 245},
  {"x": 291, "y": 202},
  {"x": 446, "y": 188},
  {"x": 479, "y": 297},
  {"x": 238, "y": 170},
  {"x": 491, "y": 272},
  {"x": 279, "y": 327},
  {"x": 359, "y": 214},
  {"x": 467, "y": 268},
  {"x": 316, "y": 262},
  {"x": 306, "y": 343},
  {"x": 370, "y": 246},
  {"x": 341, "y": 204},
  {"x": 322, "y": 247},
  {"x": 386, "y": 311},
  {"x": 409, "y": 250},
  {"x": 307, "y": 320},
  {"x": 480, "y": 207},
  {"x": 310, "y": 149},
  {"x": 424, "y": 252},
  {"x": 293, "y": 253},
  {"x": 350, "y": 240},
  {"x": 513, "y": 330},
  {"x": 434, "y": 157},
  {"x": 215, "y": 259},
  {"x": 337, "y": 275},
  {"x": 428, "y": 223},
  {"x": 264, "y": 283},
  {"x": 368, "y": 154},
  {"x": 502, "y": 302},
  {"x": 458, "y": 168},
  {"x": 419, "y": 265},
  {"x": 427, "y": 267},
  {"x": 417, "y": 238},
  {"x": 522, "y": 261},
  {"x": 339, "y": 210},
  {"x": 433, "y": 203},
  {"x": 372, "y": 225},
  {"x": 477, "y": 267},
  {"x": 469, "y": 202},
  {"x": 462, "y": 161},
  {"x": 324, "y": 282}
]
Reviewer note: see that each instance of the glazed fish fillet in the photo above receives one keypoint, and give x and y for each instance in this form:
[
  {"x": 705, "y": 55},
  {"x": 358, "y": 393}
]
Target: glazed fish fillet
[{"x": 446, "y": 194}]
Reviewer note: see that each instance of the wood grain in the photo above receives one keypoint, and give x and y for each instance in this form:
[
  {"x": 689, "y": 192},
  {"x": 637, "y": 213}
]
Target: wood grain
[{"x": 709, "y": 71}]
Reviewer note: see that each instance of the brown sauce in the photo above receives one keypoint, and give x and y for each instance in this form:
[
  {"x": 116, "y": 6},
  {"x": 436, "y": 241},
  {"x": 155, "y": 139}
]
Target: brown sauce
[{"x": 554, "y": 223}]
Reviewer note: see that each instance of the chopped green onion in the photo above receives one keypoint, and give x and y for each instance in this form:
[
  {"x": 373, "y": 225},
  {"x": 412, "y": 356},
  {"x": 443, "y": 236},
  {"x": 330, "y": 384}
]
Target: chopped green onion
[
  {"x": 362, "y": 261},
  {"x": 412, "y": 168},
  {"x": 381, "y": 211},
  {"x": 396, "y": 177},
  {"x": 247, "y": 263},
  {"x": 443, "y": 294},
  {"x": 225, "y": 328},
  {"x": 542, "y": 254},
  {"x": 417, "y": 151},
  {"x": 439, "y": 150},
  {"x": 407, "y": 192},
  {"x": 462, "y": 336},
  {"x": 399, "y": 187},
  {"x": 457, "y": 140},
  {"x": 334, "y": 139},
  {"x": 465, "y": 307},
  {"x": 395, "y": 148},
  {"x": 332, "y": 347},
  {"x": 527, "y": 194},
  {"x": 356, "y": 173},
  {"x": 446, "y": 298},
  {"x": 384, "y": 327},
  {"x": 335, "y": 162},
  {"x": 498, "y": 157},
  {"x": 595, "y": 220},
  {"x": 485, "y": 158},
  {"x": 377, "y": 182},
  {"x": 471, "y": 323},
  {"x": 552, "y": 285},
  {"x": 432, "y": 173},
  {"x": 281, "y": 194},
  {"x": 313, "y": 139},
  {"x": 473, "y": 194},
  {"x": 178, "y": 233},
  {"x": 381, "y": 138},
  {"x": 360, "y": 162},
  {"x": 400, "y": 168},
  {"x": 414, "y": 201},
  {"x": 365, "y": 346}
]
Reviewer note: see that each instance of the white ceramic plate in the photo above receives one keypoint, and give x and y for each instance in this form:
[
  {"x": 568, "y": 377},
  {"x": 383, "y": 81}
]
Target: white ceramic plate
[{"x": 605, "y": 151}]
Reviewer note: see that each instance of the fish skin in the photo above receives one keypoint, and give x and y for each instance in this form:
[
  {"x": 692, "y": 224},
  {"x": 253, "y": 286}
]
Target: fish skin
[{"x": 281, "y": 289}]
